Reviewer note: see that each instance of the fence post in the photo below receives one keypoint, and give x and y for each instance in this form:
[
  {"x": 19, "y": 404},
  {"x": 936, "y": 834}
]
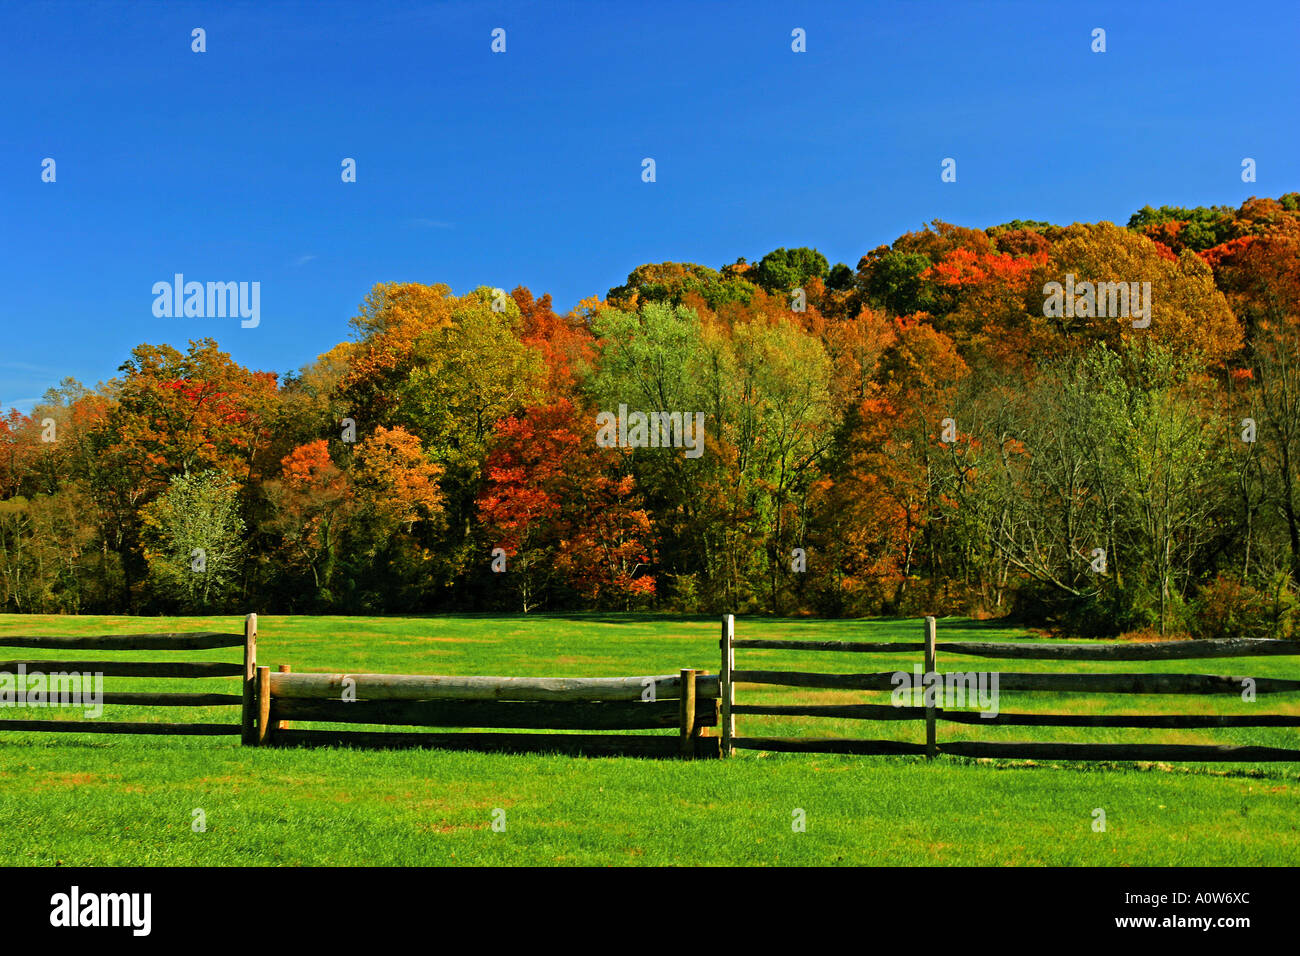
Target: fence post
[
  {"x": 248, "y": 721},
  {"x": 709, "y": 703},
  {"x": 686, "y": 712},
  {"x": 263, "y": 706},
  {"x": 728, "y": 689},
  {"x": 931, "y": 742},
  {"x": 283, "y": 724}
]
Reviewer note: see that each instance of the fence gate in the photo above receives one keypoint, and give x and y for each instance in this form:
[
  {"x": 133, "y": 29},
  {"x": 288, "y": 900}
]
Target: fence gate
[{"x": 932, "y": 711}]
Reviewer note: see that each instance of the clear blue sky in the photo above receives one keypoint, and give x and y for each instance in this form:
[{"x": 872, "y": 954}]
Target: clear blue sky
[{"x": 525, "y": 167}]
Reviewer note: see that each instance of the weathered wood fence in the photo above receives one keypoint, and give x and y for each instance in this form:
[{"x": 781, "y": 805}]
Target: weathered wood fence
[
  {"x": 932, "y": 713},
  {"x": 169, "y": 642},
  {"x": 687, "y": 701},
  {"x": 691, "y": 701}
]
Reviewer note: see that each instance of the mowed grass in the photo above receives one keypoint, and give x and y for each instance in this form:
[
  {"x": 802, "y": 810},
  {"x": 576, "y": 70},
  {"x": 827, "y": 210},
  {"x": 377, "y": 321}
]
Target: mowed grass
[{"x": 82, "y": 799}]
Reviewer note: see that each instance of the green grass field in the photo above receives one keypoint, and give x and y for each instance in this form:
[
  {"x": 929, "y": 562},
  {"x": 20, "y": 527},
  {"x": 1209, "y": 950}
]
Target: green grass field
[{"x": 81, "y": 799}]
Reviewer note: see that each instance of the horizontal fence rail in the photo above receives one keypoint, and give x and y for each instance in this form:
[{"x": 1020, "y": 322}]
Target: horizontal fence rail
[
  {"x": 143, "y": 699},
  {"x": 1072, "y": 683},
  {"x": 58, "y": 671},
  {"x": 195, "y": 641},
  {"x": 1135, "y": 651},
  {"x": 931, "y": 713},
  {"x": 1021, "y": 751},
  {"x": 523, "y": 715},
  {"x": 119, "y": 727},
  {"x": 127, "y": 668},
  {"x": 830, "y": 745},
  {"x": 857, "y": 647},
  {"x": 1161, "y": 752},
  {"x": 431, "y": 687}
]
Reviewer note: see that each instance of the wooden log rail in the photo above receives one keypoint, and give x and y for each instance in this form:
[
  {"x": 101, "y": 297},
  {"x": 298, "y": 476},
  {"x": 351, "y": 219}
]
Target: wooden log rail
[
  {"x": 687, "y": 701},
  {"x": 119, "y": 727},
  {"x": 520, "y": 715},
  {"x": 450, "y": 687},
  {"x": 168, "y": 641},
  {"x": 183, "y": 641},
  {"x": 1023, "y": 751},
  {"x": 1060, "y": 683},
  {"x": 126, "y": 668},
  {"x": 1025, "y": 650},
  {"x": 932, "y": 713},
  {"x": 887, "y": 712}
]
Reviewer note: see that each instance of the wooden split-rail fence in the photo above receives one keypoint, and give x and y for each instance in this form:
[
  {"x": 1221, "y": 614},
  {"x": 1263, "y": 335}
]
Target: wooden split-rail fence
[
  {"x": 687, "y": 701},
  {"x": 530, "y": 710},
  {"x": 171, "y": 643},
  {"x": 932, "y": 713}
]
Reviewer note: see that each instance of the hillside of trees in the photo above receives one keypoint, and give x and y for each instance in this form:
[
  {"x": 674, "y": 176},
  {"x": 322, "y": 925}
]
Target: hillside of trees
[{"x": 910, "y": 435}]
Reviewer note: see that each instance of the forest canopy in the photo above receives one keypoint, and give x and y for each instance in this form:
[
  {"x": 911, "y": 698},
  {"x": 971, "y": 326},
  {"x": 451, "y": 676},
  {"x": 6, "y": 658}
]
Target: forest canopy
[{"x": 914, "y": 433}]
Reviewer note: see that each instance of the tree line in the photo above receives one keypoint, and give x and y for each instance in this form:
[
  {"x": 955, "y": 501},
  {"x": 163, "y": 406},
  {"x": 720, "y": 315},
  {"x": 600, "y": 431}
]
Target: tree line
[{"x": 916, "y": 434}]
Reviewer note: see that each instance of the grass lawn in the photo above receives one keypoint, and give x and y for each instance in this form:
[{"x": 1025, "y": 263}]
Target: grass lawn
[{"x": 81, "y": 799}]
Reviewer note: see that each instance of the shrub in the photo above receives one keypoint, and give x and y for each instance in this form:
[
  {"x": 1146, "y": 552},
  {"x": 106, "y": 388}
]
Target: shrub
[
  {"x": 683, "y": 593},
  {"x": 1229, "y": 607}
]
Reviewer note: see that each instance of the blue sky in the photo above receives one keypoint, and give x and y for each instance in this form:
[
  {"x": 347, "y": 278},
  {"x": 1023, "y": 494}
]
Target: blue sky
[{"x": 476, "y": 168}]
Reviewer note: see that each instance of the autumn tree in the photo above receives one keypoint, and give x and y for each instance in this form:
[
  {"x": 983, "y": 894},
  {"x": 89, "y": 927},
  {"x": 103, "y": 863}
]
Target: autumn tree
[
  {"x": 1189, "y": 315},
  {"x": 563, "y": 509},
  {"x": 311, "y": 504},
  {"x": 193, "y": 542},
  {"x": 784, "y": 269}
]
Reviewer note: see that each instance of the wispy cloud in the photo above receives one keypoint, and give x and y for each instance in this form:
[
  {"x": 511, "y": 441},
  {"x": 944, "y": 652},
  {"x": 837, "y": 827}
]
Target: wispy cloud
[
  {"x": 430, "y": 224},
  {"x": 27, "y": 367},
  {"x": 303, "y": 260}
]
